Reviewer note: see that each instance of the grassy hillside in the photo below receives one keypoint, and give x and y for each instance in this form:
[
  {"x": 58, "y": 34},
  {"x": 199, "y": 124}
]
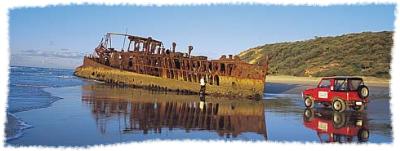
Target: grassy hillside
[{"x": 360, "y": 54}]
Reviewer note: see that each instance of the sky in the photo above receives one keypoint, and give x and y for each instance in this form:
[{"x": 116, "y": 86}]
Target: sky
[{"x": 59, "y": 36}]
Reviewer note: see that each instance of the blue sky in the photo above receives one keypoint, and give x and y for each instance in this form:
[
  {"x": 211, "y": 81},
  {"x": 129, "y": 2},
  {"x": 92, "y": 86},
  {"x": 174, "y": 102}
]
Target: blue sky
[{"x": 59, "y": 36}]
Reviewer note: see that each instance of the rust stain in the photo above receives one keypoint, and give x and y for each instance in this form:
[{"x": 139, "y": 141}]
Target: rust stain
[{"x": 153, "y": 65}]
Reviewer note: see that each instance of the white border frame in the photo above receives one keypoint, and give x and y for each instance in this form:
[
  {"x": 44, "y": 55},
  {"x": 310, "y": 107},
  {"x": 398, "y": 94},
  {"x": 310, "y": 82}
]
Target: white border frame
[{"x": 200, "y": 145}]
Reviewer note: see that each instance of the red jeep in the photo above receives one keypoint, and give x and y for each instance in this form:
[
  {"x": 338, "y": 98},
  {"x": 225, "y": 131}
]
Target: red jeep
[{"x": 338, "y": 92}]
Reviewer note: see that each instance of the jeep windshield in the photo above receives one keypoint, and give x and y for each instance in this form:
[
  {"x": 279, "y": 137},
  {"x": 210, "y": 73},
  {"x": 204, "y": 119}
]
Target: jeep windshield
[{"x": 325, "y": 83}]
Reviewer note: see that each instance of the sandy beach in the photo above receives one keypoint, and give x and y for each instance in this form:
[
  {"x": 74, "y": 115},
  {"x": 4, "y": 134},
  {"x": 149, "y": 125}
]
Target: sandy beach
[
  {"x": 94, "y": 113},
  {"x": 313, "y": 81}
]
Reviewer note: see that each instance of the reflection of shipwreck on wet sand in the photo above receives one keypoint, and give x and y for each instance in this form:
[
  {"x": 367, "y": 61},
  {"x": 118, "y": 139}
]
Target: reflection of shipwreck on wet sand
[
  {"x": 146, "y": 63},
  {"x": 143, "y": 112}
]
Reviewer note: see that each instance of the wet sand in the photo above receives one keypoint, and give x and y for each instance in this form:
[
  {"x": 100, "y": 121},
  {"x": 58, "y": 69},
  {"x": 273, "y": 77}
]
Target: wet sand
[
  {"x": 284, "y": 100},
  {"x": 14, "y": 127},
  {"x": 26, "y": 93},
  {"x": 313, "y": 81},
  {"x": 99, "y": 114}
]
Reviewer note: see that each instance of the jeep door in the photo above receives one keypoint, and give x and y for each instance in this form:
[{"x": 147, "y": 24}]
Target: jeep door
[{"x": 340, "y": 89}]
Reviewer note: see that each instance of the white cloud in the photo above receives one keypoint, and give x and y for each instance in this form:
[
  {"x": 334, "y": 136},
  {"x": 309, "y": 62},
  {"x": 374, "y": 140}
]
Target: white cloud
[
  {"x": 47, "y": 59},
  {"x": 62, "y": 53}
]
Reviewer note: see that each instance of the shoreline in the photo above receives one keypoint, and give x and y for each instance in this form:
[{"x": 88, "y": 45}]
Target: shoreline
[
  {"x": 313, "y": 81},
  {"x": 113, "y": 96},
  {"x": 85, "y": 100},
  {"x": 15, "y": 126},
  {"x": 85, "y": 116}
]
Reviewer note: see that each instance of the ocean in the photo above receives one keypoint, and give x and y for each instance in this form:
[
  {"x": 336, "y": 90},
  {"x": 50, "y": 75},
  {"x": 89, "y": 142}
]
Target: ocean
[{"x": 26, "y": 92}]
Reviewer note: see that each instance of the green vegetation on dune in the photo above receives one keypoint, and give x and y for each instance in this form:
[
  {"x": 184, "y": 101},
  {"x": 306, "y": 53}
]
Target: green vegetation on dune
[{"x": 359, "y": 54}]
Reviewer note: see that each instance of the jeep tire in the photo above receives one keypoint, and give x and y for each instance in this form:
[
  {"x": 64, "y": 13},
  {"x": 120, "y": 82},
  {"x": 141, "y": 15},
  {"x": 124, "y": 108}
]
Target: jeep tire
[
  {"x": 338, "y": 105},
  {"x": 308, "y": 102},
  {"x": 363, "y": 135},
  {"x": 363, "y": 91}
]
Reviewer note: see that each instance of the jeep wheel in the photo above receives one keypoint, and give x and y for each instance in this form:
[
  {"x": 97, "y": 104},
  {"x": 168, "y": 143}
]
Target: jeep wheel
[
  {"x": 308, "y": 102},
  {"x": 338, "y": 105},
  {"x": 359, "y": 108},
  {"x": 363, "y": 91},
  {"x": 339, "y": 120},
  {"x": 363, "y": 135},
  {"x": 308, "y": 114}
]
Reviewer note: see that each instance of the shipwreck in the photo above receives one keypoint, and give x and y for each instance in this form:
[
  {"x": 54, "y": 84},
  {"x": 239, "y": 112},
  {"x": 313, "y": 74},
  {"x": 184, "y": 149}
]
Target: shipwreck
[{"x": 146, "y": 63}]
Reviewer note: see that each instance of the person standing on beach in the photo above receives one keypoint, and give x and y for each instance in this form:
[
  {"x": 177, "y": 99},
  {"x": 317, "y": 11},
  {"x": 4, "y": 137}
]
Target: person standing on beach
[{"x": 202, "y": 85}]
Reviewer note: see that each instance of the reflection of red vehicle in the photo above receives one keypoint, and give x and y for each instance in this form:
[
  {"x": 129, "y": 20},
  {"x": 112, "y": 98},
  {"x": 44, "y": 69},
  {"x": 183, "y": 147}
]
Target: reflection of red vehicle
[
  {"x": 339, "y": 92},
  {"x": 337, "y": 126}
]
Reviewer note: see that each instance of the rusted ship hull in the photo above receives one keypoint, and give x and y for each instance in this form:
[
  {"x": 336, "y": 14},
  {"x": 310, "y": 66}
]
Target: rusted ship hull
[
  {"x": 167, "y": 70},
  {"x": 248, "y": 88}
]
